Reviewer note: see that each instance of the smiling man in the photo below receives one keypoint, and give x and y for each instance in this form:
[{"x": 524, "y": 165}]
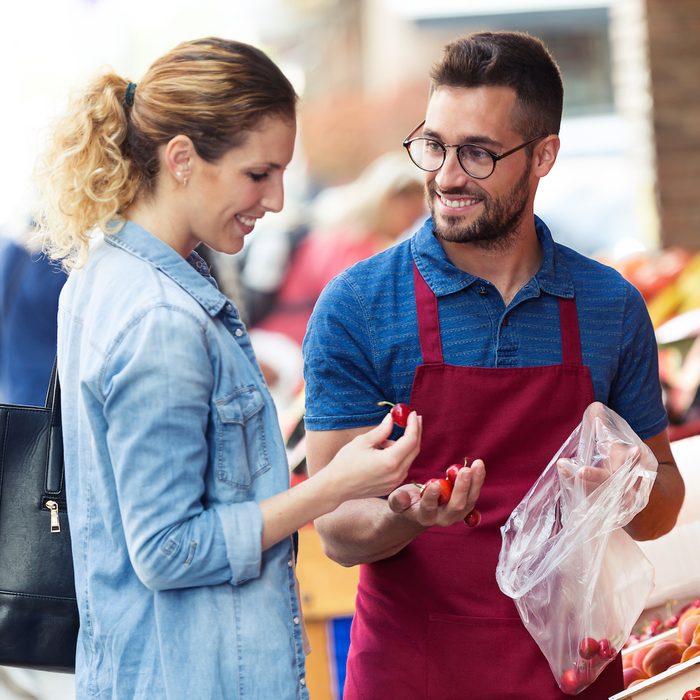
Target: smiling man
[{"x": 499, "y": 338}]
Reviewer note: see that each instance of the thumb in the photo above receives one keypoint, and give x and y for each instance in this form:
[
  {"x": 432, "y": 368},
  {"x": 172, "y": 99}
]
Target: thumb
[{"x": 377, "y": 435}]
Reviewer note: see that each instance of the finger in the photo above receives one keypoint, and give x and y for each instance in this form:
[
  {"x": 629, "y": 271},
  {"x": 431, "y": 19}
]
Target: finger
[
  {"x": 429, "y": 500},
  {"x": 375, "y": 437},
  {"x": 477, "y": 476},
  {"x": 593, "y": 476},
  {"x": 407, "y": 446},
  {"x": 400, "y": 499}
]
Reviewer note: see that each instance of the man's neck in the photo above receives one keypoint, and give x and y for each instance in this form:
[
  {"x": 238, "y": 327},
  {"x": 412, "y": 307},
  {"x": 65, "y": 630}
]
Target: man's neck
[{"x": 508, "y": 266}]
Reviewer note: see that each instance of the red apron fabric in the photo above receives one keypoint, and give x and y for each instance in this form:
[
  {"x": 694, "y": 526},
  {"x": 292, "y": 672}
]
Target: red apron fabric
[{"x": 430, "y": 621}]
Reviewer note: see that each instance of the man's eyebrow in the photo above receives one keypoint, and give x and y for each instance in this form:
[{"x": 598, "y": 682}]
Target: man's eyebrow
[{"x": 477, "y": 139}]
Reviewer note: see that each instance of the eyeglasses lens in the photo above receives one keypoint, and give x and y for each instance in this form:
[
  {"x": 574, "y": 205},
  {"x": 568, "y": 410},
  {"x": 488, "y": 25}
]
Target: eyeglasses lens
[{"x": 430, "y": 155}]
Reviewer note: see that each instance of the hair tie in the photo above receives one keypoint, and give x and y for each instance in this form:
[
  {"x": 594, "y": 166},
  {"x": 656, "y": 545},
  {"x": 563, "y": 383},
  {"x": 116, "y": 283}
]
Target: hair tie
[{"x": 129, "y": 95}]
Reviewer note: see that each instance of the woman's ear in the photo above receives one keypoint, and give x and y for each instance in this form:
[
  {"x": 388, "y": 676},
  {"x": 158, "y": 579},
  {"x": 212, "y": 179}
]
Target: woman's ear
[
  {"x": 177, "y": 156},
  {"x": 545, "y": 155}
]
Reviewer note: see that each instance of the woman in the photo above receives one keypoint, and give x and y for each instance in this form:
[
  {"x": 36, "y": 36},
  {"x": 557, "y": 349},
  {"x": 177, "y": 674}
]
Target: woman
[{"x": 180, "y": 511}]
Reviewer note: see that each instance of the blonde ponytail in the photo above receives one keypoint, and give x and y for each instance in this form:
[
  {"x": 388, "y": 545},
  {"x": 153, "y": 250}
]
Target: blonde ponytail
[{"x": 85, "y": 178}]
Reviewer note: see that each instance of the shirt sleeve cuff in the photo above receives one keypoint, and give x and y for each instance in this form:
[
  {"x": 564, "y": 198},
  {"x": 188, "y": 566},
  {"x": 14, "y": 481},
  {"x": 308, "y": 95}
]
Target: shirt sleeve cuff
[{"x": 242, "y": 527}]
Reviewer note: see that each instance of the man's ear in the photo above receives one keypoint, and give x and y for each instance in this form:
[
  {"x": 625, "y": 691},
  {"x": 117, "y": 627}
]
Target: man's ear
[
  {"x": 177, "y": 156},
  {"x": 545, "y": 155}
]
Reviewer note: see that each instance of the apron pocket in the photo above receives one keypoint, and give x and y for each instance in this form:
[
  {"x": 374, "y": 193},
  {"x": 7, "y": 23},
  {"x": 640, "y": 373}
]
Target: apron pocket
[{"x": 473, "y": 658}]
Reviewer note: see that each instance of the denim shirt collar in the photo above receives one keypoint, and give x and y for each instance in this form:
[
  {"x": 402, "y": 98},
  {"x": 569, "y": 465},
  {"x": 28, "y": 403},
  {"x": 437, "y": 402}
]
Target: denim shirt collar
[
  {"x": 192, "y": 274},
  {"x": 444, "y": 278}
]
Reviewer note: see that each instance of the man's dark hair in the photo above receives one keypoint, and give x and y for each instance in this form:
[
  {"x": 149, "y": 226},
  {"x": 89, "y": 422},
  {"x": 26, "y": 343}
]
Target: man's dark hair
[{"x": 509, "y": 59}]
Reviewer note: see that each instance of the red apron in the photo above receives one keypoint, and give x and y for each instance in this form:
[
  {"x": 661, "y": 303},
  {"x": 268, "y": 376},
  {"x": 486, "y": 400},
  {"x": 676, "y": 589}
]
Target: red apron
[{"x": 430, "y": 621}]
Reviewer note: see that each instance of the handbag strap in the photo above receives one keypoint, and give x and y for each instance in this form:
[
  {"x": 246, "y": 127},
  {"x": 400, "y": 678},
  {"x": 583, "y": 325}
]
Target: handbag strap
[{"x": 53, "y": 485}]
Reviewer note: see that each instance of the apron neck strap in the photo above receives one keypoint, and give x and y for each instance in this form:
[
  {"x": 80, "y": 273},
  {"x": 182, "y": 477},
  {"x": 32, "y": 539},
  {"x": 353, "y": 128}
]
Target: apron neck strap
[
  {"x": 429, "y": 325},
  {"x": 428, "y": 320},
  {"x": 570, "y": 335}
]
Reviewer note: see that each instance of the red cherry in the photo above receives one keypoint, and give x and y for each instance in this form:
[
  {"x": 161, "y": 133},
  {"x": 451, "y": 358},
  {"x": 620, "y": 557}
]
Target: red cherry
[
  {"x": 452, "y": 471},
  {"x": 606, "y": 650},
  {"x": 571, "y": 681},
  {"x": 473, "y": 518},
  {"x": 691, "y": 694},
  {"x": 399, "y": 412},
  {"x": 588, "y": 648},
  {"x": 668, "y": 623},
  {"x": 445, "y": 490}
]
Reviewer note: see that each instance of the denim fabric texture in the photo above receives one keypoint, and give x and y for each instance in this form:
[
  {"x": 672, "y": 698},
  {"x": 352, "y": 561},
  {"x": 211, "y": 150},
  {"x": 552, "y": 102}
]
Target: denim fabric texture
[
  {"x": 171, "y": 440},
  {"x": 361, "y": 345}
]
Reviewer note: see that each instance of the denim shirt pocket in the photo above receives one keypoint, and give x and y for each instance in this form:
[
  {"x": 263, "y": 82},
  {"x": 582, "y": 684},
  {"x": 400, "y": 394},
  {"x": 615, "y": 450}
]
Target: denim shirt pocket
[{"x": 242, "y": 453}]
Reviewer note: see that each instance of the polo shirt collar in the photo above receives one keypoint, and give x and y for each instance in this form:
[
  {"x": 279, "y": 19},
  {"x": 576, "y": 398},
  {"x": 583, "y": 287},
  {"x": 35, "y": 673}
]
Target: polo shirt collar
[
  {"x": 444, "y": 278},
  {"x": 192, "y": 274}
]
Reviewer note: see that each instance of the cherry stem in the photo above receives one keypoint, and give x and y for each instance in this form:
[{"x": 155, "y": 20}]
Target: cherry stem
[{"x": 385, "y": 403}]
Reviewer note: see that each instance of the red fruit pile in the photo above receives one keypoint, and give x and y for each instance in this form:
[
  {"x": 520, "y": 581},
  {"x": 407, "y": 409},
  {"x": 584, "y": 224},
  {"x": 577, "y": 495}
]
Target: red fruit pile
[
  {"x": 446, "y": 485},
  {"x": 594, "y": 653}
]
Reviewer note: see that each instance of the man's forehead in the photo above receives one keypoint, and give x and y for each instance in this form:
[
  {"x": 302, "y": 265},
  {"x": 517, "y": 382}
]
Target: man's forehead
[{"x": 463, "y": 113}]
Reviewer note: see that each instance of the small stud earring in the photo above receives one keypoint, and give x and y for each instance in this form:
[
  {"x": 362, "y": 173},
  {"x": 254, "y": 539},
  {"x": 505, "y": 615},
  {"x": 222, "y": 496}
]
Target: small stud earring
[{"x": 178, "y": 173}]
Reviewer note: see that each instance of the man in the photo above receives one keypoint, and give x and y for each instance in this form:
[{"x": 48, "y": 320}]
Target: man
[{"x": 499, "y": 338}]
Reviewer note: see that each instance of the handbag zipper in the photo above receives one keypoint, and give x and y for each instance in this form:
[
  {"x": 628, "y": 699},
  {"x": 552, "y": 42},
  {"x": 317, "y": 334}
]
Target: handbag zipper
[{"x": 53, "y": 508}]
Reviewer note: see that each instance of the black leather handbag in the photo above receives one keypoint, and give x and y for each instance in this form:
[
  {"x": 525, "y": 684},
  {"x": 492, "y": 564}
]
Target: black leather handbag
[{"x": 38, "y": 609}]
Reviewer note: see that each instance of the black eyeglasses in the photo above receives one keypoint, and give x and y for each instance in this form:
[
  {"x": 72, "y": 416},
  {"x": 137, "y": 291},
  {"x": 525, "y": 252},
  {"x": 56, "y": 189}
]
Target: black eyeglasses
[{"x": 477, "y": 161}]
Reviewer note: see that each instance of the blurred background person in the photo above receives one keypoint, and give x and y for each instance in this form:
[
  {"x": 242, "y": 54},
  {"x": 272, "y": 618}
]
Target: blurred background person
[
  {"x": 29, "y": 289},
  {"x": 348, "y": 223}
]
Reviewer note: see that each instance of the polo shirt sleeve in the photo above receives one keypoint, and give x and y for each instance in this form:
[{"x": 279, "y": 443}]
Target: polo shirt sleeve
[
  {"x": 636, "y": 390},
  {"x": 341, "y": 380}
]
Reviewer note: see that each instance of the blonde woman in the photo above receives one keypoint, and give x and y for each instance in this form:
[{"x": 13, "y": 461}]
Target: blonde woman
[{"x": 178, "y": 487}]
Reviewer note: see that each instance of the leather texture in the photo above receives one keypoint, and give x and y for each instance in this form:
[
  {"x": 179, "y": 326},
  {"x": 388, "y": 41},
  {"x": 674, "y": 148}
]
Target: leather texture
[{"x": 38, "y": 608}]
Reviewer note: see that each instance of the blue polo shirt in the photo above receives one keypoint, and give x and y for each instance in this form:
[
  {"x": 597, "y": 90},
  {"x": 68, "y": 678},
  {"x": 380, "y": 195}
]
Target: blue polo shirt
[{"x": 361, "y": 344}]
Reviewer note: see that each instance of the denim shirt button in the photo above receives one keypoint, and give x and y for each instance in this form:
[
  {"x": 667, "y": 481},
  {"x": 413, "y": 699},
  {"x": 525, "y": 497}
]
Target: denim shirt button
[
  {"x": 296, "y": 620},
  {"x": 239, "y": 332},
  {"x": 290, "y": 563},
  {"x": 229, "y": 307},
  {"x": 302, "y": 681}
]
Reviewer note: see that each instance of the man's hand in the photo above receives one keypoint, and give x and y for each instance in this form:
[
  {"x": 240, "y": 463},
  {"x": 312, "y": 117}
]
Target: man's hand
[
  {"x": 588, "y": 478},
  {"x": 423, "y": 509}
]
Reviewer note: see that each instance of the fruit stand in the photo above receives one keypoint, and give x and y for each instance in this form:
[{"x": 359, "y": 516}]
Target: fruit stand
[{"x": 664, "y": 648}]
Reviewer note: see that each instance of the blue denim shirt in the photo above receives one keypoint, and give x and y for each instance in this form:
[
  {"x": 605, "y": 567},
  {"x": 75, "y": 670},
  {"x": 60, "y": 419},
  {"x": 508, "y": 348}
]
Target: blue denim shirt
[{"x": 171, "y": 440}]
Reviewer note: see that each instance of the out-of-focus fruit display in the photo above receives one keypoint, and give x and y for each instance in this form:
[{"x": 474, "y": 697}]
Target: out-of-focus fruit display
[
  {"x": 658, "y": 644},
  {"x": 669, "y": 282}
]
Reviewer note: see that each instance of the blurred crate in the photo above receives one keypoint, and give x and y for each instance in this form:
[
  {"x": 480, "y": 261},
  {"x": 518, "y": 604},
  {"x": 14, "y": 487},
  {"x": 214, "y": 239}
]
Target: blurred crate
[
  {"x": 669, "y": 685},
  {"x": 328, "y": 601}
]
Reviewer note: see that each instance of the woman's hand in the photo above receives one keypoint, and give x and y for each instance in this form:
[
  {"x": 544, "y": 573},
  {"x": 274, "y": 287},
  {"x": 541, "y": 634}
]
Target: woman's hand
[
  {"x": 423, "y": 507},
  {"x": 370, "y": 464}
]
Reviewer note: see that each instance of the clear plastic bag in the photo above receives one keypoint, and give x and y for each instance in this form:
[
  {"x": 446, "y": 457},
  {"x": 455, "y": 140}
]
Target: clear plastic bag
[{"x": 578, "y": 580}]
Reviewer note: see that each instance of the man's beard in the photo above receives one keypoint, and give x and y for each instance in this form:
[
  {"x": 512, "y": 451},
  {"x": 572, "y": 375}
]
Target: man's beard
[{"x": 495, "y": 228}]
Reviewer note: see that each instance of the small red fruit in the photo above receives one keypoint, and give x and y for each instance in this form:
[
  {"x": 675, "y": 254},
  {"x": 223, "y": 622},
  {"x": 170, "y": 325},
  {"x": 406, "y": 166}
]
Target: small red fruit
[
  {"x": 691, "y": 694},
  {"x": 399, "y": 412},
  {"x": 571, "y": 681},
  {"x": 445, "y": 490},
  {"x": 605, "y": 650},
  {"x": 473, "y": 518},
  {"x": 588, "y": 648},
  {"x": 452, "y": 471}
]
